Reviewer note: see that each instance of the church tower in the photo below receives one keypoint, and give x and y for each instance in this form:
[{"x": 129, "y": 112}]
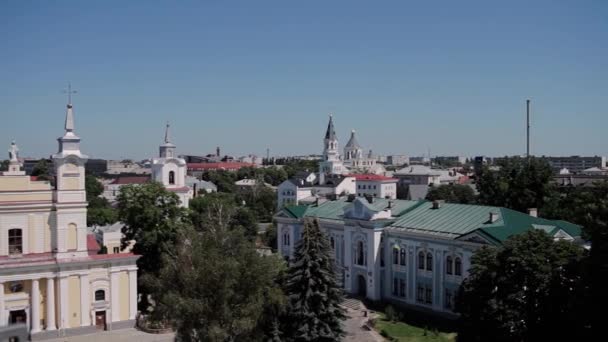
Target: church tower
[
  {"x": 70, "y": 239},
  {"x": 331, "y": 163},
  {"x": 170, "y": 170}
]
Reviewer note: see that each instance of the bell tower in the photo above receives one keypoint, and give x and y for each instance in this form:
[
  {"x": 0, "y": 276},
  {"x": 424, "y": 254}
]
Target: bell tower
[
  {"x": 331, "y": 163},
  {"x": 70, "y": 198}
]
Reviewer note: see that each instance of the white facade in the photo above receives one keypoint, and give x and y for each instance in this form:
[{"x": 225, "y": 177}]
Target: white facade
[
  {"x": 291, "y": 193},
  {"x": 382, "y": 187},
  {"x": 170, "y": 170}
]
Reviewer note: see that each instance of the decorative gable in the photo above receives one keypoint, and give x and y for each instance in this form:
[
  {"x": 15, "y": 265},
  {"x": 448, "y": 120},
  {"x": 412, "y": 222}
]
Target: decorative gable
[{"x": 475, "y": 238}]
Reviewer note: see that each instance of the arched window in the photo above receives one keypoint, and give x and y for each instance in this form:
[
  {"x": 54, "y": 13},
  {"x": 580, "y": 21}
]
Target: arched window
[
  {"x": 360, "y": 253},
  {"x": 15, "y": 241},
  {"x": 100, "y": 295},
  {"x": 429, "y": 261},
  {"x": 396, "y": 256},
  {"x": 171, "y": 177},
  {"x": 421, "y": 260},
  {"x": 402, "y": 256},
  {"x": 448, "y": 265},
  {"x": 458, "y": 267}
]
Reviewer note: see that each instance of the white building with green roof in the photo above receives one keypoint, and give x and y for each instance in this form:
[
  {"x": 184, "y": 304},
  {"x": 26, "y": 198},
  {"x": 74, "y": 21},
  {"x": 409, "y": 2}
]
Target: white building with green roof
[{"x": 409, "y": 252}]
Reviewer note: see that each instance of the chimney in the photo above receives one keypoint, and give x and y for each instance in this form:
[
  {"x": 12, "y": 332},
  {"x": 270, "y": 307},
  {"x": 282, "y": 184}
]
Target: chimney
[
  {"x": 351, "y": 197},
  {"x": 194, "y": 190},
  {"x": 217, "y": 151},
  {"x": 437, "y": 204},
  {"x": 369, "y": 198},
  {"x": 317, "y": 201},
  {"x": 533, "y": 212},
  {"x": 390, "y": 204},
  {"x": 493, "y": 217}
]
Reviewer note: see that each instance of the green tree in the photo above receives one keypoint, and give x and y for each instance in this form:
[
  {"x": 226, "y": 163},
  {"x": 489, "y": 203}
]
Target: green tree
[
  {"x": 314, "y": 294},
  {"x": 4, "y": 165},
  {"x": 224, "y": 180},
  {"x": 519, "y": 184},
  {"x": 216, "y": 287},
  {"x": 452, "y": 193},
  {"x": 525, "y": 291},
  {"x": 152, "y": 217},
  {"x": 99, "y": 211},
  {"x": 41, "y": 170},
  {"x": 270, "y": 237}
]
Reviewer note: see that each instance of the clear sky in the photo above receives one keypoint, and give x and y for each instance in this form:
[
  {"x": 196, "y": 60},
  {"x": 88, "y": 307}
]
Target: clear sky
[{"x": 449, "y": 76}]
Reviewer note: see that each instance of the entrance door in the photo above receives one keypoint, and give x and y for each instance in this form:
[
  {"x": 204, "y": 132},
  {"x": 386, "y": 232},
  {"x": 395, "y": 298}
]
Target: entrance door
[
  {"x": 100, "y": 320},
  {"x": 361, "y": 286},
  {"x": 17, "y": 317}
]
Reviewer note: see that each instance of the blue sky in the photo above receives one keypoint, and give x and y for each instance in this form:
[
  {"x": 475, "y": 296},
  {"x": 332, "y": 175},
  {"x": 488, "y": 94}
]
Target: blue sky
[{"x": 449, "y": 76}]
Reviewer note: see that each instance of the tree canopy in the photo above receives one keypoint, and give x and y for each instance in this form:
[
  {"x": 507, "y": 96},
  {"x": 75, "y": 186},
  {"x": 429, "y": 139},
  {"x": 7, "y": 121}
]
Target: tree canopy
[
  {"x": 519, "y": 184},
  {"x": 527, "y": 290},
  {"x": 99, "y": 210},
  {"x": 452, "y": 193}
]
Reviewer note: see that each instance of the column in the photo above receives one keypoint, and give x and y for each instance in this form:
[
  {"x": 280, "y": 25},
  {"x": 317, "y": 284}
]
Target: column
[
  {"x": 35, "y": 302},
  {"x": 63, "y": 302},
  {"x": 413, "y": 274},
  {"x": 3, "y": 319},
  {"x": 50, "y": 304},
  {"x": 85, "y": 301},
  {"x": 132, "y": 294},
  {"x": 114, "y": 290}
]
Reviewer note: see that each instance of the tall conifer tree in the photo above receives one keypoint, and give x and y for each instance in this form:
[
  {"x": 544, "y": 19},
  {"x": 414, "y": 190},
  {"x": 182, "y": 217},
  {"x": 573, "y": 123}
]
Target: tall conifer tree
[{"x": 314, "y": 293}]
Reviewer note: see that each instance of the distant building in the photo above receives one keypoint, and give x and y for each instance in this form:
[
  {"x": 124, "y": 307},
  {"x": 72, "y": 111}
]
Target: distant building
[
  {"x": 111, "y": 190},
  {"x": 198, "y": 169},
  {"x": 450, "y": 160},
  {"x": 397, "y": 159},
  {"x": 296, "y": 191},
  {"x": 575, "y": 164},
  {"x": 420, "y": 160},
  {"x": 200, "y": 187},
  {"x": 375, "y": 185},
  {"x": 418, "y": 174},
  {"x": 247, "y": 184},
  {"x": 115, "y": 167}
]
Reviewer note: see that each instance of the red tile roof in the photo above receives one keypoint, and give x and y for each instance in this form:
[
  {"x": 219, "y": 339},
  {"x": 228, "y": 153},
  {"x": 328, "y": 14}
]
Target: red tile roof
[
  {"x": 217, "y": 166},
  {"x": 92, "y": 245},
  {"x": 132, "y": 180},
  {"x": 371, "y": 177}
]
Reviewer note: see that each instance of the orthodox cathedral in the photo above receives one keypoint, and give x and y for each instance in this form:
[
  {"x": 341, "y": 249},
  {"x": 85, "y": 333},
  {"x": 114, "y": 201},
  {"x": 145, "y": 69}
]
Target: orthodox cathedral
[
  {"x": 354, "y": 161},
  {"x": 52, "y": 278}
]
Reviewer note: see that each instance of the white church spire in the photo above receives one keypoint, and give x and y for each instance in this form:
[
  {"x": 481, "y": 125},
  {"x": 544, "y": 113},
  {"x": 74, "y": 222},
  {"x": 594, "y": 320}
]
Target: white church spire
[
  {"x": 69, "y": 116},
  {"x": 167, "y": 137}
]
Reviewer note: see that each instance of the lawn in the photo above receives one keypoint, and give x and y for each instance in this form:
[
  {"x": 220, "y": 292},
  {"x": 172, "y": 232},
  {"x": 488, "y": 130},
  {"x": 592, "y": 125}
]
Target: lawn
[{"x": 409, "y": 333}]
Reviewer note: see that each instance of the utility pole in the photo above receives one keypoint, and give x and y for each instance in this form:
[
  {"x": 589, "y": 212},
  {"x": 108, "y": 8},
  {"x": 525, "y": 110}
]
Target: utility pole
[{"x": 528, "y": 128}]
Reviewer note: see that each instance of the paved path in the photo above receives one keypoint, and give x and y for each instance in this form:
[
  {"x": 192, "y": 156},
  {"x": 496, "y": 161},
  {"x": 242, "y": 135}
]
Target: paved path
[
  {"x": 354, "y": 324},
  {"x": 123, "y": 335}
]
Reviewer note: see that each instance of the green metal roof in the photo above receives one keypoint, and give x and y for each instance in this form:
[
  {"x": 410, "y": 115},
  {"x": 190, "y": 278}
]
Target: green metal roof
[{"x": 450, "y": 220}]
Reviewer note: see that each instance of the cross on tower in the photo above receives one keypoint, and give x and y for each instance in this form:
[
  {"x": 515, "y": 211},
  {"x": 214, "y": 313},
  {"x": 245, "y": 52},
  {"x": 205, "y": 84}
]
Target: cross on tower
[{"x": 69, "y": 91}]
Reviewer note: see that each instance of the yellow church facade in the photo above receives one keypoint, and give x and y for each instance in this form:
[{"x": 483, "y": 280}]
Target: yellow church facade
[{"x": 51, "y": 277}]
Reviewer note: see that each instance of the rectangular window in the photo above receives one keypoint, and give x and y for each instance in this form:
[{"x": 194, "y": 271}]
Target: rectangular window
[
  {"x": 420, "y": 294},
  {"x": 116, "y": 250},
  {"x": 402, "y": 288},
  {"x": 15, "y": 241},
  {"x": 429, "y": 295}
]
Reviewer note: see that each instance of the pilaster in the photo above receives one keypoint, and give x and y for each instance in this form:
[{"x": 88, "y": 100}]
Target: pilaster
[
  {"x": 85, "y": 300},
  {"x": 132, "y": 294},
  {"x": 63, "y": 302},
  {"x": 114, "y": 296}
]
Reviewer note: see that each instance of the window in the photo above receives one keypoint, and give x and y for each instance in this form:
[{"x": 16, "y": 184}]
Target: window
[
  {"x": 420, "y": 294},
  {"x": 395, "y": 286},
  {"x": 448, "y": 265},
  {"x": 100, "y": 295},
  {"x": 421, "y": 260},
  {"x": 458, "y": 267},
  {"x": 16, "y": 286},
  {"x": 429, "y": 295},
  {"x": 402, "y": 257},
  {"x": 396, "y": 256},
  {"x": 116, "y": 250},
  {"x": 15, "y": 241},
  {"x": 381, "y": 254},
  {"x": 401, "y": 287},
  {"x": 360, "y": 254},
  {"x": 171, "y": 177},
  {"x": 429, "y": 261},
  {"x": 285, "y": 239},
  {"x": 449, "y": 300}
]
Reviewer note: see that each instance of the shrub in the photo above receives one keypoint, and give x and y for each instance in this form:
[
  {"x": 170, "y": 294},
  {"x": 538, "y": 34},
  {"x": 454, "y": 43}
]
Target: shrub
[
  {"x": 384, "y": 334},
  {"x": 390, "y": 313}
]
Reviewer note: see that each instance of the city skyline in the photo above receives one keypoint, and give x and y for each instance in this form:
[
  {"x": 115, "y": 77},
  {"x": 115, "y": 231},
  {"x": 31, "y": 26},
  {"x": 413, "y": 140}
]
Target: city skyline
[{"x": 253, "y": 77}]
